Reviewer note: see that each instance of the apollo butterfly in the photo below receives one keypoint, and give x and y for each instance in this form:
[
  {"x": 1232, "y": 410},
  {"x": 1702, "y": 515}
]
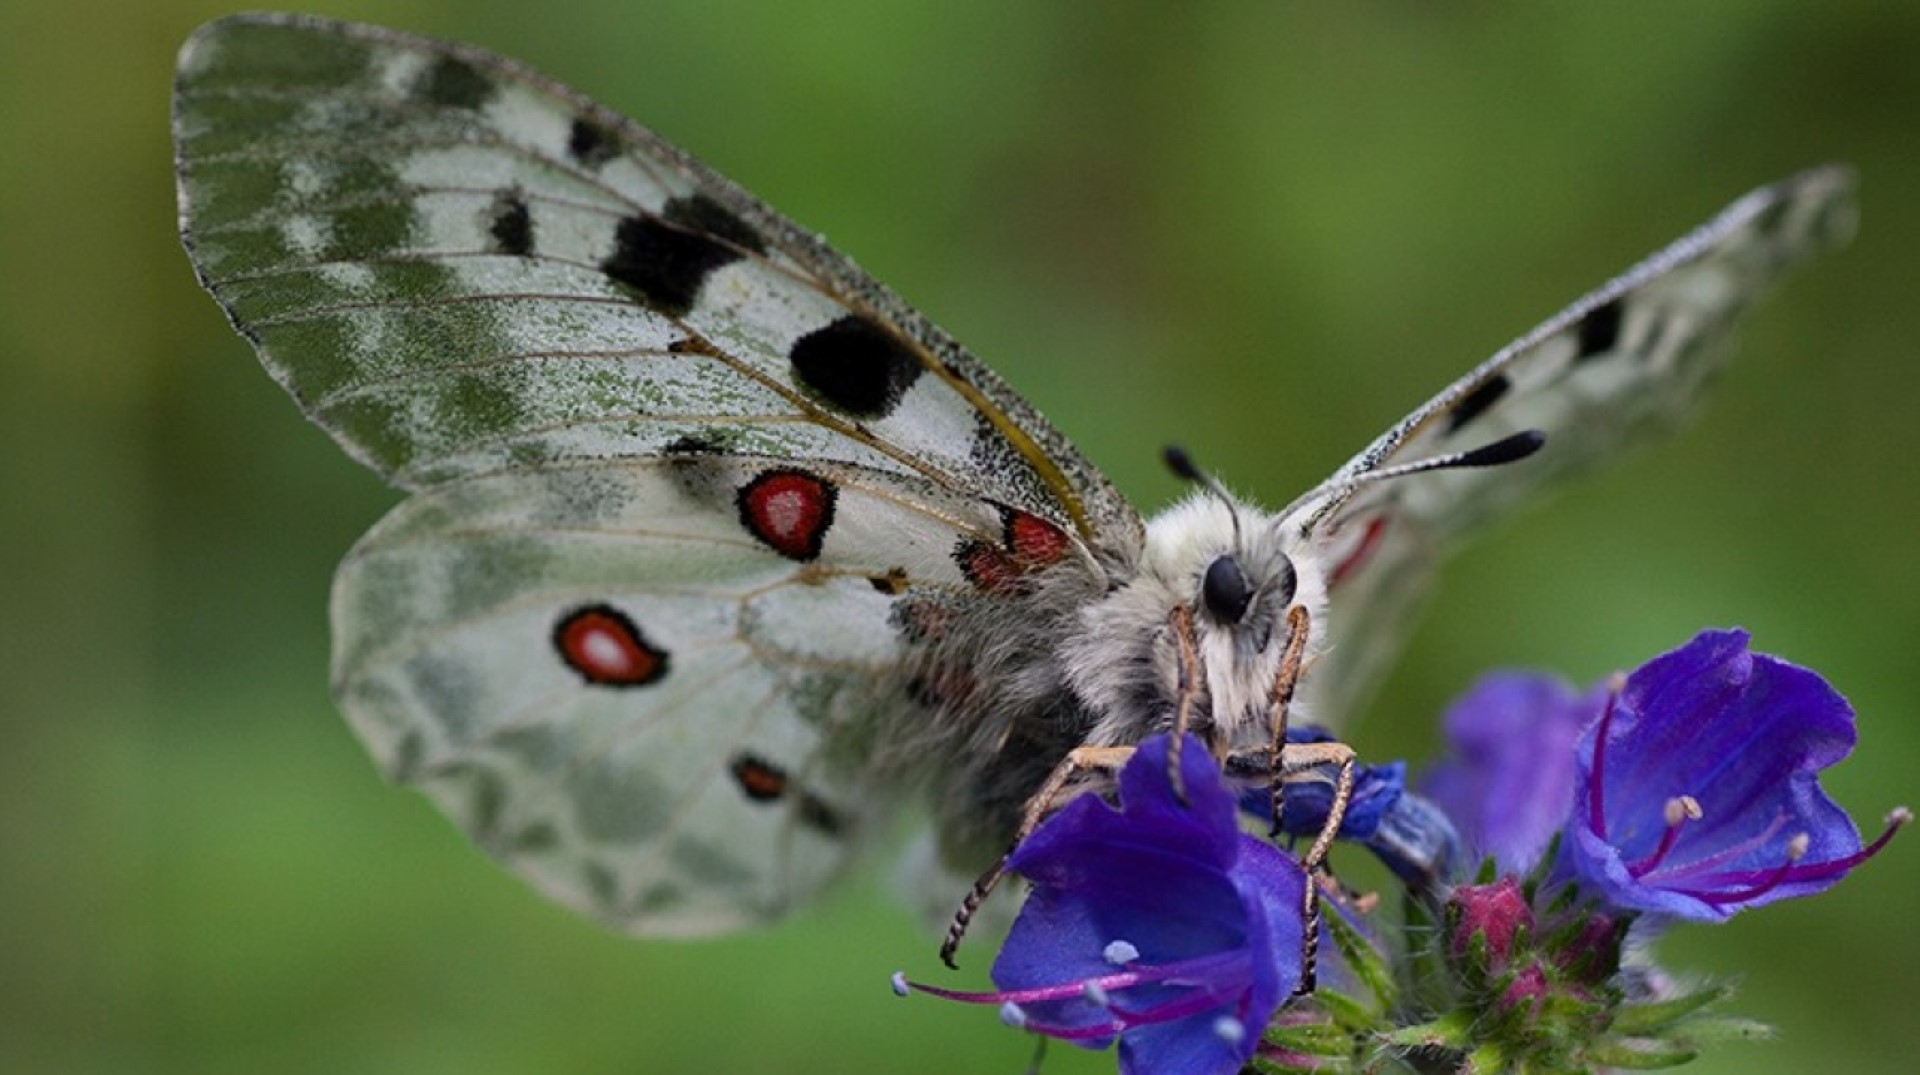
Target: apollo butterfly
[{"x": 715, "y": 548}]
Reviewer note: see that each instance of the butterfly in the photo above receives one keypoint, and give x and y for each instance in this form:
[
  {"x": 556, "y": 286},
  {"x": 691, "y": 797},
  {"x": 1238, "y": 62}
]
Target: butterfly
[{"x": 717, "y": 554}]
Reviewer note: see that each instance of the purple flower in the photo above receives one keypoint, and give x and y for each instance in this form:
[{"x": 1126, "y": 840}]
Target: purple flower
[
  {"x": 1696, "y": 793},
  {"x": 1411, "y": 835},
  {"x": 1159, "y": 924},
  {"x": 1508, "y": 782},
  {"x": 1376, "y": 790}
]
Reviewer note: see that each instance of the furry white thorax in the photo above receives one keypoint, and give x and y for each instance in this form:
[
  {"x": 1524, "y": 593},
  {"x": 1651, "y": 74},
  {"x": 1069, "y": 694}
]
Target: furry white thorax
[{"x": 1123, "y": 662}]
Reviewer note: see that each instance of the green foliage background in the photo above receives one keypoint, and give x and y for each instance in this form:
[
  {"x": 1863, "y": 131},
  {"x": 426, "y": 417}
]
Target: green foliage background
[{"x": 1261, "y": 229}]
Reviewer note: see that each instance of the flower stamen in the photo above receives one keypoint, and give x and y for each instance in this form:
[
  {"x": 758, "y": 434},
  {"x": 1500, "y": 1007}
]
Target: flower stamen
[
  {"x": 1796, "y": 850},
  {"x": 1679, "y": 810}
]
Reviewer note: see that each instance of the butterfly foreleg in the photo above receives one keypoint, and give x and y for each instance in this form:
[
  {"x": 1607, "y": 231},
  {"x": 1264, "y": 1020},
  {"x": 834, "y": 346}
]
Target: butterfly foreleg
[
  {"x": 1280, "y": 699},
  {"x": 1079, "y": 762},
  {"x": 1297, "y": 762},
  {"x": 1188, "y": 675}
]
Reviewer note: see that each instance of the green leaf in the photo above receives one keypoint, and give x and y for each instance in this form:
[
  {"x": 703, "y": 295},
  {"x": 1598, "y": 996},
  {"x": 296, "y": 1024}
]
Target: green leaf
[
  {"x": 1640, "y": 1020},
  {"x": 1453, "y": 1030},
  {"x": 1363, "y": 960},
  {"x": 1639, "y": 1058}
]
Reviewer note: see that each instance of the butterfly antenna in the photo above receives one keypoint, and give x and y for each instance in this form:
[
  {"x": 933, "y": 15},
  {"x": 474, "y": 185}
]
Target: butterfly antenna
[
  {"x": 1509, "y": 449},
  {"x": 1186, "y": 469},
  {"x": 1505, "y": 450}
]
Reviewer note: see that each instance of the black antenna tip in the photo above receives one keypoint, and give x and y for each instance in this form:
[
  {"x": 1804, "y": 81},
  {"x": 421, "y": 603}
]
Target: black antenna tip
[
  {"x": 1505, "y": 450},
  {"x": 1181, "y": 463}
]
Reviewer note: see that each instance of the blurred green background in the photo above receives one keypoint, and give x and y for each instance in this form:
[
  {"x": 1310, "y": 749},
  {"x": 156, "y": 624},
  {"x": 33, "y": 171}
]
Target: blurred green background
[{"x": 1261, "y": 229}]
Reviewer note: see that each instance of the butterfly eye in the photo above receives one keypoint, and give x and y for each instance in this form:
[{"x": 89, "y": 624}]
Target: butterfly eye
[
  {"x": 1226, "y": 590},
  {"x": 1284, "y": 586}
]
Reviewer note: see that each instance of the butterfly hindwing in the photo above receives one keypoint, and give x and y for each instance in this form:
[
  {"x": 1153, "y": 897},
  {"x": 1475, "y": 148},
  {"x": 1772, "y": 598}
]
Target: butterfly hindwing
[
  {"x": 651, "y": 712},
  {"x": 675, "y": 463},
  {"x": 1620, "y": 363}
]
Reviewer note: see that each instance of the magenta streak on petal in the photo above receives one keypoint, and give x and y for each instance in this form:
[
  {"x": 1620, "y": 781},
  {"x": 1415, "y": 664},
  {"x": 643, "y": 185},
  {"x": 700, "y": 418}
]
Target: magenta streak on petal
[
  {"x": 1815, "y": 871},
  {"x": 1696, "y": 867},
  {"x": 1074, "y": 1033},
  {"x": 1596, "y": 803},
  {"x": 1770, "y": 881},
  {"x": 1201, "y": 968},
  {"x": 1180, "y": 1007},
  {"x": 1792, "y": 872},
  {"x": 1124, "y": 1019}
]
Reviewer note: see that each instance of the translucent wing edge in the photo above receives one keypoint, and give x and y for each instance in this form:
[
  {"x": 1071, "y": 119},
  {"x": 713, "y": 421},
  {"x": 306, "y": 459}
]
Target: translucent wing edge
[{"x": 1828, "y": 191}]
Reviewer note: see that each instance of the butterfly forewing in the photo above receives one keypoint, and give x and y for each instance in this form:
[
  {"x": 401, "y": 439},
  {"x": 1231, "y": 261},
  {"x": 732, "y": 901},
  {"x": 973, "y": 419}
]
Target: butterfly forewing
[
  {"x": 1624, "y": 361},
  {"x": 676, "y": 463},
  {"x": 456, "y": 264}
]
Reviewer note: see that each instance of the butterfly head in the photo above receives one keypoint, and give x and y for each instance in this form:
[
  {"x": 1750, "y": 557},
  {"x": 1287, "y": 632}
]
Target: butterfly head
[{"x": 1225, "y": 575}]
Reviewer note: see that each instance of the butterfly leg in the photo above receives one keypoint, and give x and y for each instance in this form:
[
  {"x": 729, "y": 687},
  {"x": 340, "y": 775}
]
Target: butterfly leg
[
  {"x": 1188, "y": 674},
  {"x": 1299, "y": 762},
  {"x": 1078, "y": 762},
  {"x": 1280, "y": 699}
]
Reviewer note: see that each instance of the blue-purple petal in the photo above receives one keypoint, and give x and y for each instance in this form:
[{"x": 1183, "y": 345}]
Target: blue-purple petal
[
  {"x": 1376, "y": 790},
  {"x": 1182, "y": 885},
  {"x": 1508, "y": 780},
  {"x": 1745, "y": 735}
]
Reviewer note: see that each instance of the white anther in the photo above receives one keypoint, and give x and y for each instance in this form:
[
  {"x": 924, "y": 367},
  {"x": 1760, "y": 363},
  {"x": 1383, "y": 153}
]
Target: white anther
[{"x": 1683, "y": 808}]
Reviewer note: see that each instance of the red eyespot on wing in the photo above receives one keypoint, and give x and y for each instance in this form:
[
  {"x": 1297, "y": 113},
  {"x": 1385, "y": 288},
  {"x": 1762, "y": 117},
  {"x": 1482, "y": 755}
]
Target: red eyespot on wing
[
  {"x": 1035, "y": 542},
  {"x": 1030, "y": 543},
  {"x": 922, "y": 621},
  {"x": 988, "y": 566},
  {"x": 602, "y": 644},
  {"x": 1362, "y": 551},
  {"x": 790, "y": 510},
  {"x": 759, "y": 779}
]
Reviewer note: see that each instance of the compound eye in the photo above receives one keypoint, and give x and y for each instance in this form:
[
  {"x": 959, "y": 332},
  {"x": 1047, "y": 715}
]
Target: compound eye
[{"x": 1226, "y": 590}]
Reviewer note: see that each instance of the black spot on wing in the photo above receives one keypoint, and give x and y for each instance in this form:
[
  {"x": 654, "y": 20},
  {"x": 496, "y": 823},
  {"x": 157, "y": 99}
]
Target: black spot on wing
[
  {"x": 1599, "y": 330},
  {"x": 764, "y": 782},
  {"x": 591, "y": 144},
  {"x": 666, "y": 259},
  {"x": 695, "y": 444},
  {"x": 855, "y": 365},
  {"x": 455, "y": 83},
  {"x": 821, "y": 816},
  {"x": 1771, "y": 215},
  {"x": 698, "y": 212},
  {"x": 1476, "y": 402},
  {"x": 510, "y": 224}
]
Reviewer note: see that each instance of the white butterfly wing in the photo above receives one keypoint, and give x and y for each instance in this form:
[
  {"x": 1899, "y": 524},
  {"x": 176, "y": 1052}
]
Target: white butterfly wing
[
  {"x": 1626, "y": 360},
  {"x": 675, "y": 461},
  {"x": 623, "y": 697}
]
